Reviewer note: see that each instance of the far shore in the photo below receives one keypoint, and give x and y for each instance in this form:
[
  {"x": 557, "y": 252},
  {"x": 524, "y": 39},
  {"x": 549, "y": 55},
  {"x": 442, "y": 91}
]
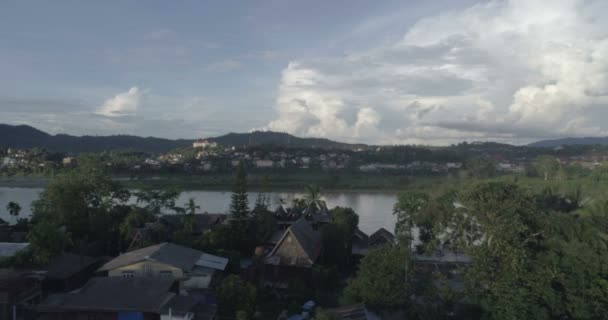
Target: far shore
[{"x": 42, "y": 182}]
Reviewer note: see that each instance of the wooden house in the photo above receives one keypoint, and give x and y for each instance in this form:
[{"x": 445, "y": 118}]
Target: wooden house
[{"x": 294, "y": 254}]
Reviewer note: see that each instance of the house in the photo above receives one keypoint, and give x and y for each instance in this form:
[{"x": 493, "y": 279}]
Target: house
[
  {"x": 203, "y": 144},
  {"x": 359, "y": 243},
  {"x": 380, "y": 238},
  {"x": 295, "y": 253},
  {"x": 68, "y": 272},
  {"x": 9, "y": 249},
  {"x": 111, "y": 298},
  {"x": 264, "y": 164},
  {"x": 19, "y": 291},
  {"x": 448, "y": 263},
  {"x": 202, "y": 222},
  {"x": 68, "y": 161},
  {"x": 354, "y": 312},
  {"x": 192, "y": 268},
  {"x": 187, "y": 308}
]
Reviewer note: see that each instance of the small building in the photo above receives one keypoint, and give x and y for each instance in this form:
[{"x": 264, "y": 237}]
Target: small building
[
  {"x": 354, "y": 312},
  {"x": 68, "y": 272},
  {"x": 193, "y": 269},
  {"x": 295, "y": 253},
  {"x": 380, "y": 238},
  {"x": 9, "y": 249},
  {"x": 69, "y": 162},
  {"x": 204, "y": 144},
  {"x": 19, "y": 291},
  {"x": 359, "y": 243},
  {"x": 111, "y": 298},
  {"x": 264, "y": 164},
  {"x": 202, "y": 222}
]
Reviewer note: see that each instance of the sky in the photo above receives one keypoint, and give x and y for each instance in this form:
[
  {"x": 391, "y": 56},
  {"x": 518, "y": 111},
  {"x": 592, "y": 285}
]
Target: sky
[{"x": 431, "y": 72}]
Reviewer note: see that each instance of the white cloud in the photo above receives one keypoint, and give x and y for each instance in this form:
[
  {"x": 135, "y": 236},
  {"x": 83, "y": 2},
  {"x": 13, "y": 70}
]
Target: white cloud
[
  {"x": 512, "y": 71},
  {"x": 122, "y": 104}
]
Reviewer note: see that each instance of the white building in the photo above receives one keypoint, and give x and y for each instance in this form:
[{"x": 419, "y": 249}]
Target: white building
[{"x": 204, "y": 144}]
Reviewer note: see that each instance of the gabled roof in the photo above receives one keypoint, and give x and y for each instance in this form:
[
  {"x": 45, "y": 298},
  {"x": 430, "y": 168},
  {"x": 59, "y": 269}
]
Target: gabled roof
[
  {"x": 68, "y": 264},
  {"x": 382, "y": 236},
  {"x": 307, "y": 238},
  {"x": 113, "y": 294},
  {"x": 175, "y": 255}
]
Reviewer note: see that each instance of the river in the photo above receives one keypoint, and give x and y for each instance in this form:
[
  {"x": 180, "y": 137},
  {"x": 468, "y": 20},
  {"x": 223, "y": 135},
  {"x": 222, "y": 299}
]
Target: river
[{"x": 374, "y": 208}]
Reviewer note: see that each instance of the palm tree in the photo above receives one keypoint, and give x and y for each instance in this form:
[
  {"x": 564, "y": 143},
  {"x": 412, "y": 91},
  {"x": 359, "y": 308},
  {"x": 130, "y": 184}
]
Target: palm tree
[
  {"x": 312, "y": 198},
  {"x": 191, "y": 207},
  {"x": 13, "y": 209}
]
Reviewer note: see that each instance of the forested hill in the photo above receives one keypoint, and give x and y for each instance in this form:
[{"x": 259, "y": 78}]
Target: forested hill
[
  {"x": 570, "y": 141},
  {"x": 280, "y": 139},
  {"x": 23, "y": 136}
]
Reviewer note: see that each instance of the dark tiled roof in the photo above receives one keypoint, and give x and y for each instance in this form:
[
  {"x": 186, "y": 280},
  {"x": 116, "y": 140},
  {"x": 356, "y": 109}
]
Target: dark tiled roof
[
  {"x": 202, "y": 221},
  {"x": 68, "y": 264},
  {"x": 168, "y": 253},
  {"x": 355, "y": 312},
  {"x": 181, "y": 305},
  {"x": 309, "y": 239},
  {"x": 113, "y": 294},
  {"x": 382, "y": 236}
]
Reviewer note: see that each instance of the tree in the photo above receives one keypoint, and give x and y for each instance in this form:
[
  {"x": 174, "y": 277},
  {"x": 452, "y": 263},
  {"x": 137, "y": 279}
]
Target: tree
[
  {"x": 188, "y": 221},
  {"x": 157, "y": 200},
  {"x": 321, "y": 314},
  {"x": 47, "y": 240},
  {"x": 312, "y": 198},
  {"x": 480, "y": 167},
  {"x": 13, "y": 209},
  {"x": 82, "y": 200},
  {"x": 407, "y": 209},
  {"x": 239, "y": 206},
  {"x": 547, "y": 166},
  {"x": 236, "y": 295},
  {"x": 380, "y": 281}
]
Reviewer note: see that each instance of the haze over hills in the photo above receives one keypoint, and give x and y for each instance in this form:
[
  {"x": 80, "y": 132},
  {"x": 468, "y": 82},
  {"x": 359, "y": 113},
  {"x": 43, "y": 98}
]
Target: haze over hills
[
  {"x": 23, "y": 136},
  {"x": 570, "y": 141}
]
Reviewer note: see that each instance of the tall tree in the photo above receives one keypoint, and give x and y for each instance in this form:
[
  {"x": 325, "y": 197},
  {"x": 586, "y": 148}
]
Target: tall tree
[
  {"x": 13, "y": 209},
  {"x": 188, "y": 221},
  {"x": 547, "y": 166},
  {"x": 312, "y": 198},
  {"x": 239, "y": 206},
  {"x": 380, "y": 281}
]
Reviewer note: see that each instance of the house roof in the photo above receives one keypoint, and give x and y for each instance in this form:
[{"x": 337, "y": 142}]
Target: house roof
[
  {"x": 309, "y": 239},
  {"x": 68, "y": 264},
  {"x": 202, "y": 221},
  {"x": 443, "y": 257},
  {"x": 381, "y": 236},
  {"x": 145, "y": 294},
  {"x": 175, "y": 255},
  {"x": 213, "y": 262},
  {"x": 354, "y": 312},
  {"x": 181, "y": 305},
  {"x": 9, "y": 249}
]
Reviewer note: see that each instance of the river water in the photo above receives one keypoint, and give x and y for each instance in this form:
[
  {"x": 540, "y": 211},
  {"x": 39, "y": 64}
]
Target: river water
[{"x": 374, "y": 208}]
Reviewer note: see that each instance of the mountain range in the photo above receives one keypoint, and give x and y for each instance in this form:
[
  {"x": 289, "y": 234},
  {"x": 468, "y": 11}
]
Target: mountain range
[{"x": 23, "y": 136}]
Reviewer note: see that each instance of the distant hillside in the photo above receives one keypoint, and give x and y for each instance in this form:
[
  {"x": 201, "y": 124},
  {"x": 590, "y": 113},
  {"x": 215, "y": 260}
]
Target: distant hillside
[
  {"x": 570, "y": 141},
  {"x": 258, "y": 138},
  {"x": 23, "y": 136}
]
